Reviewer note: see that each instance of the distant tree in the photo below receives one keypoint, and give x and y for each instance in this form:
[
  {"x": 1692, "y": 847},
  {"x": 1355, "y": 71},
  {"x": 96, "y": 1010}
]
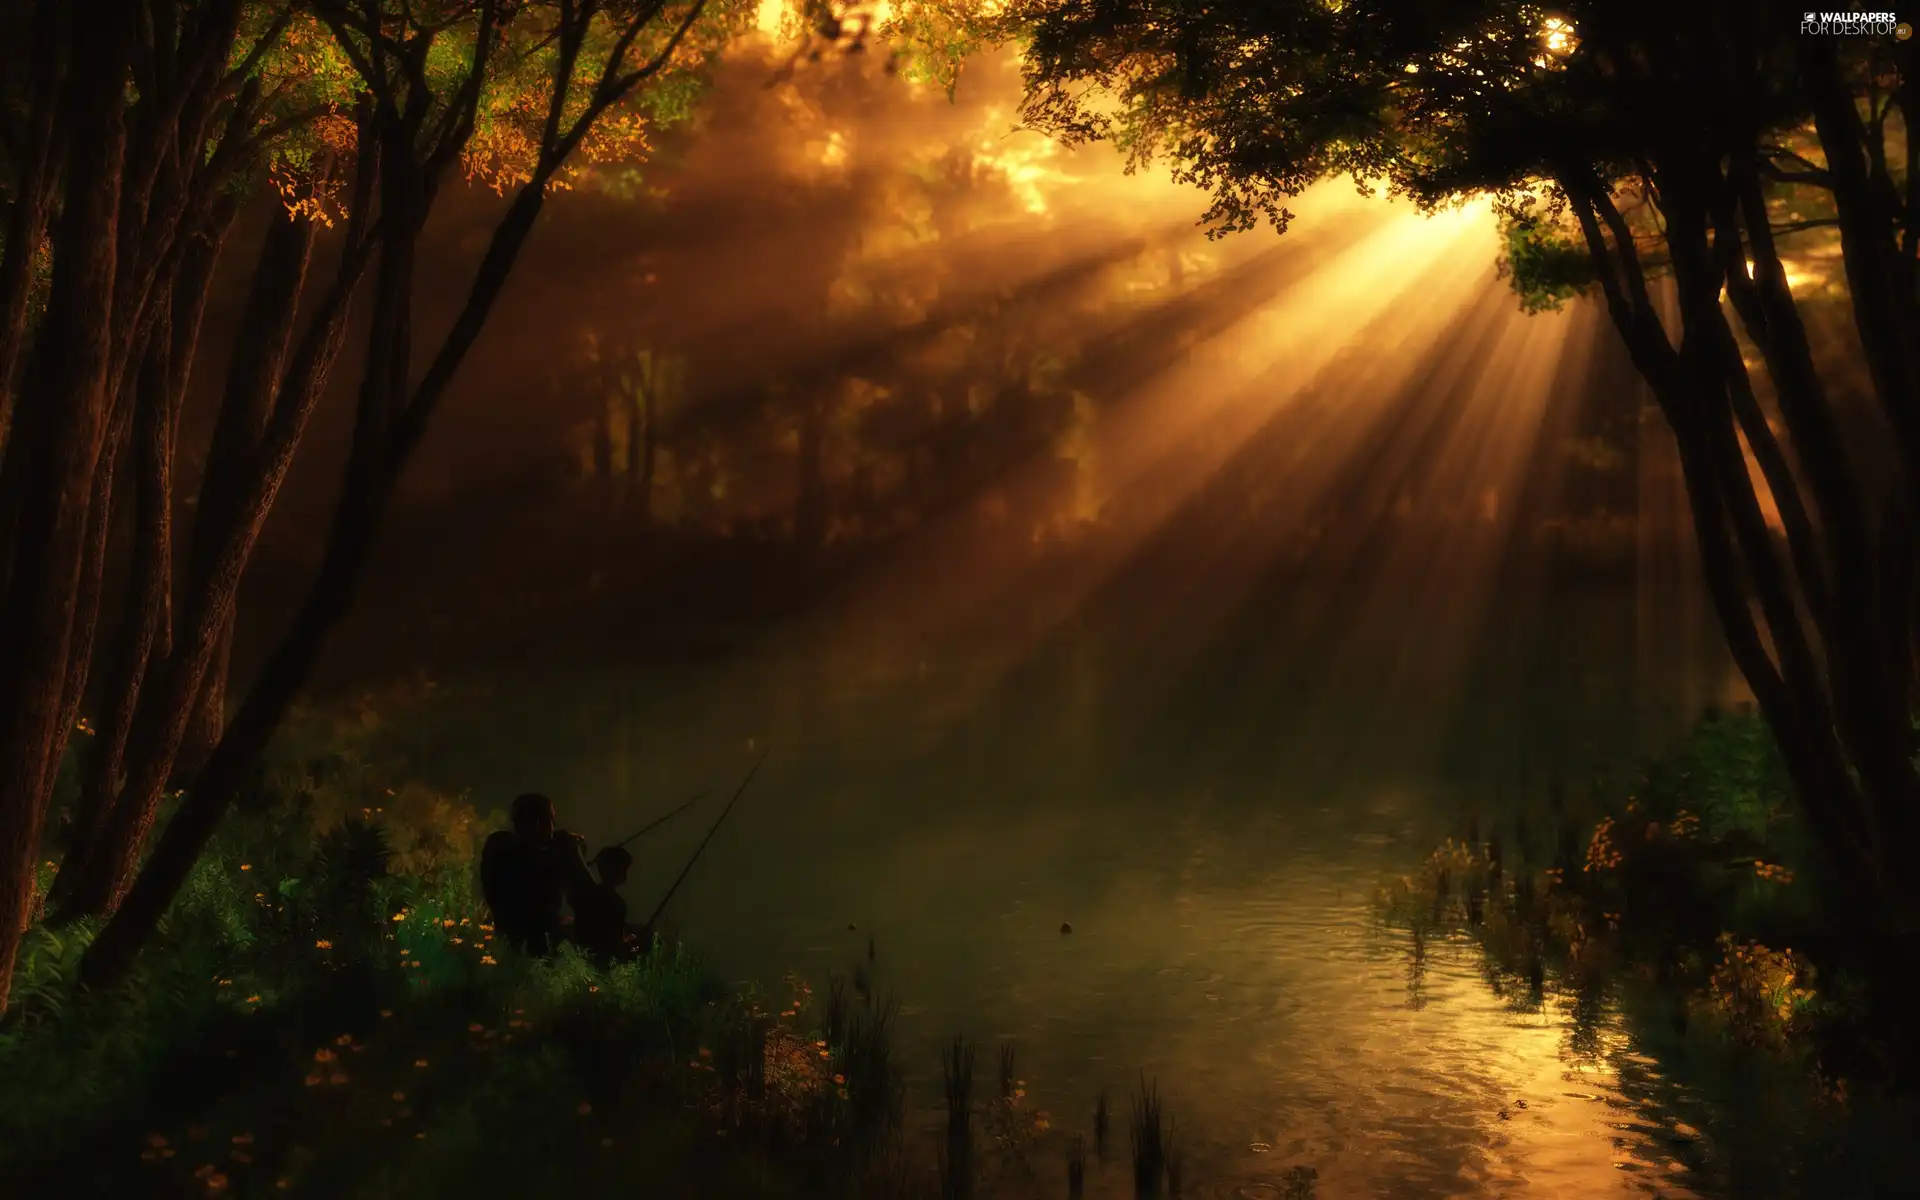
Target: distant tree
[
  {"x": 1649, "y": 153},
  {"x": 636, "y": 386}
]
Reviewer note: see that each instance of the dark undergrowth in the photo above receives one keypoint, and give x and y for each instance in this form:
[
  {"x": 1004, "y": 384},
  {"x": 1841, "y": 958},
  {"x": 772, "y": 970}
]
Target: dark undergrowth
[{"x": 325, "y": 1012}]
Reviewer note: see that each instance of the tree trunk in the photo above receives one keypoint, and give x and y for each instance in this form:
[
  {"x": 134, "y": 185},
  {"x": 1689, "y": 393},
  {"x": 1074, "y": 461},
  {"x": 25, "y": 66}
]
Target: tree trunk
[
  {"x": 26, "y": 216},
  {"x": 649, "y": 412},
  {"x": 146, "y": 624},
  {"x": 225, "y": 531},
  {"x": 209, "y": 711},
  {"x": 219, "y": 782},
  {"x": 810, "y": 501},
  {"x": 384, "y": 441},
  {"x": 59, "y": 433}
]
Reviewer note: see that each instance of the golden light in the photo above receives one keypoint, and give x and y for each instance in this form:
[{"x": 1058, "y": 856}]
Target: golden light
[{"x": 1558, "y": 36}]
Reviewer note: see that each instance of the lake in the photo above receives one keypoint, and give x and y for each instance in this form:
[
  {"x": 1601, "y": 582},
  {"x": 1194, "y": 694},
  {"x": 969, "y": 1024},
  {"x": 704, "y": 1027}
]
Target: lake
[{"x": 1211, "y": 816}]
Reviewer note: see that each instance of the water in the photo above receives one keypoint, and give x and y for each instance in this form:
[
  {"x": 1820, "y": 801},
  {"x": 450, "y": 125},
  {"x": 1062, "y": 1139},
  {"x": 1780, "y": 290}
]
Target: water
[{"x": 1215, "y": 846}]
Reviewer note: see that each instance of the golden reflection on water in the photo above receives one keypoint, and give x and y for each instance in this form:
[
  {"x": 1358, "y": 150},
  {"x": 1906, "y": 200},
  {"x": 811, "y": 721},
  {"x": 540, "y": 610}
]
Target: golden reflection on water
[{"x": 1269, "y": 1005}]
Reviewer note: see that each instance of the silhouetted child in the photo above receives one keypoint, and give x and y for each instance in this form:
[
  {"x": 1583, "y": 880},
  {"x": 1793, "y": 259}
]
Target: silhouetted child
[{"x": 600, "y": 913}]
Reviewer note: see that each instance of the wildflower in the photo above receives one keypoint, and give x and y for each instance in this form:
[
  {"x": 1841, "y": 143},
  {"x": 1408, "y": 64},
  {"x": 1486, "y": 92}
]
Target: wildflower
[
  {"x": 246, "y": 866},
  {"x": 313, "y": 1080},
  {"x": 255, "y": 999},
  {"x": 386, "y": 1012},
  {"x": 419, "y": 1062},
  {"x": 839, "y": 1078},
  {"x": 323, "y": 944},
  {"x": 416, "y": 962},
  {"x": 487, "y": 960},
  {"x": 400, "y": 916},
  {"x": 592, "y": 987},
  {"x": 324, "y": 1055},
  {"x": 343, "y": 1040},
  {"x": 705, "y": 1053}
]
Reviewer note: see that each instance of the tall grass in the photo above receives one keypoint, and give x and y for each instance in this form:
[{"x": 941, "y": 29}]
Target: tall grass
[{"x": 1148, "y": 1135}]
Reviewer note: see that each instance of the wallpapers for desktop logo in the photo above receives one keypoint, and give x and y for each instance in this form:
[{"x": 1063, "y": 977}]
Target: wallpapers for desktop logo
[{"x": 1855, "y": 24}]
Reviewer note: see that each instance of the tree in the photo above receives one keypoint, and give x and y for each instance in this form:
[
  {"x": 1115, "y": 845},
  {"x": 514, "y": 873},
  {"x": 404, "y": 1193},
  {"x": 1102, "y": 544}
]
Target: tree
[
  {"x": 130, "y": 129},
  {"x": 511, "y": 92},
  {"x": 1647, "y": 153}
]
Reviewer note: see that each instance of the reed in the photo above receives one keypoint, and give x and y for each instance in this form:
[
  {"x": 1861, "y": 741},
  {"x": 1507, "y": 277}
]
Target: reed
[{"x": 1146, "y": 1126}]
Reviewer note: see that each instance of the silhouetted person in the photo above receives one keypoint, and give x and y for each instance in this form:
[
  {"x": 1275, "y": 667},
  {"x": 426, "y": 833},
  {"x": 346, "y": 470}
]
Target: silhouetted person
[
  {"x": 527, "y": 874},
  {"x": 600, "y": 912}
]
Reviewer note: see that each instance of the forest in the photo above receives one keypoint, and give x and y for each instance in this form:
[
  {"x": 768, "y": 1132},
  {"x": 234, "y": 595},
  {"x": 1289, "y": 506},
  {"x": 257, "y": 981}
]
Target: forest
[{"x": 1178, "y": 403}]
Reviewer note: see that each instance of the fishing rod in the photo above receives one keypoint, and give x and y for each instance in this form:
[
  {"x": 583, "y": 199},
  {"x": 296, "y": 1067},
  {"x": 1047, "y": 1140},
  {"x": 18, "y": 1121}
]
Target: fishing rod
[
  {"x": 701, "y": 848},
  {"x": 657, "y": 822}
]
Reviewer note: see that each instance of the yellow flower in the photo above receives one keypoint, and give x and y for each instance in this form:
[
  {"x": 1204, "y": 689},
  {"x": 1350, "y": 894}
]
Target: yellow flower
[
  {"x": 246, "y": 866},
  {"x": 323, "y": 944}
]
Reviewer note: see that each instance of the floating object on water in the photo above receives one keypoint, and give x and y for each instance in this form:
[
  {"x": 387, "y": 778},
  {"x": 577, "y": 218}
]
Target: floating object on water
[{"x": 1066, "y": 927}]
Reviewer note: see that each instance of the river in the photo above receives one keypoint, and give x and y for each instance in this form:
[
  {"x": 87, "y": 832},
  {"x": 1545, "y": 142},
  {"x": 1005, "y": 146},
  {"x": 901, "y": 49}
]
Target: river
[{"x": 1214, "y": 839}]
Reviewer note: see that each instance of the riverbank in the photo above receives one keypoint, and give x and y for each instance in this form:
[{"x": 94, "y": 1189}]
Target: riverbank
[
  {"x": 1688, "y": 900},
  {"x": 326, "y": 1013}
]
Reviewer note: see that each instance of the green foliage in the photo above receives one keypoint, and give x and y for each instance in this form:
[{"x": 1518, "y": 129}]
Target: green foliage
[
  {"x": 1544, "y": 265},
  {"x": 934, "y": 38},
  {"x": 1729, "y": 770},
  {"x": 301, "y": 950}
]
